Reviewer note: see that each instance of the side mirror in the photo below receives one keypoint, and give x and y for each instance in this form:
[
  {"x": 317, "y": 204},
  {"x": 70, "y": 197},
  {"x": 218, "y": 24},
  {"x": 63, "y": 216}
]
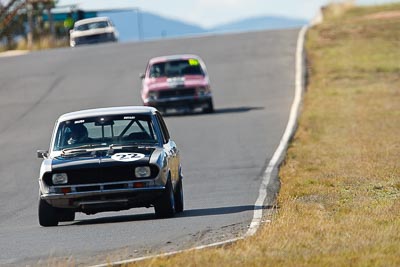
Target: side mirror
[
  {"x": 141, "y": 75},
  {"x": 42, "y": 154}
]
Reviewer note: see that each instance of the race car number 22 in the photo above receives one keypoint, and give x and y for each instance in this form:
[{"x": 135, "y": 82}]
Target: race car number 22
[{"x": 126, "y": 157}]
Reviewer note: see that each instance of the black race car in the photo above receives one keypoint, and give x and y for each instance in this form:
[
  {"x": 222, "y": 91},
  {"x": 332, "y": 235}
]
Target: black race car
[{"x": 109, "y": 159}]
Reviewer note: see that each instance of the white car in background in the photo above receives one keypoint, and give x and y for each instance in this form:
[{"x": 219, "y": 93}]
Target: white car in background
[{"x": 92, "y": 31}]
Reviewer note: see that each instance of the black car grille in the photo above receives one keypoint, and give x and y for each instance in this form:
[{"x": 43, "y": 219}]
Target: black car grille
[
  {"x": 101, "y": 175},
  {"x": 177, "y": 92}
]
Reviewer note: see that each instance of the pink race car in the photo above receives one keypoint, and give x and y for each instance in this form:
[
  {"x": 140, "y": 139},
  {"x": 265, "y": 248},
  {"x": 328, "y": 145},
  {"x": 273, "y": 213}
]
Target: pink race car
[{"x": 177, "y": 82}]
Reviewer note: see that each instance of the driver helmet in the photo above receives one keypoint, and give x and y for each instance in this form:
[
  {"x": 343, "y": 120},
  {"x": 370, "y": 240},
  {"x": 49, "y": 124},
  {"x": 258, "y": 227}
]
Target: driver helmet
[{"x": 78, "y": 134}]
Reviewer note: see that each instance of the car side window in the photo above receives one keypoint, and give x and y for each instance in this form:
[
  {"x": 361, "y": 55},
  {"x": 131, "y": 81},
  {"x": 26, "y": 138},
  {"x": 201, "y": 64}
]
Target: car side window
[{"x": 163, "y": 127}]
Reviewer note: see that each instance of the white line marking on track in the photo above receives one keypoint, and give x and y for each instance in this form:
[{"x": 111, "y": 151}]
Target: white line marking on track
[
  {"x": 274, "y": 162},
  {"x": 285, "y": 138}
]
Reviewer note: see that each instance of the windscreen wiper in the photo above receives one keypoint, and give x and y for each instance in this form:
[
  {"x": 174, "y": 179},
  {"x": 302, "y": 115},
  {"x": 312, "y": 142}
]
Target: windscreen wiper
[
  {"x": 131, "y": 144},
  {"x": 82, "y": 148}
]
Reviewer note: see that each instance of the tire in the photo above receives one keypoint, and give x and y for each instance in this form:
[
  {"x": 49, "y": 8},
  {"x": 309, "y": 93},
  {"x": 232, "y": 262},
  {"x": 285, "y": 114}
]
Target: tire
[
  {"x": 165, "y": 205},
  {"x": 210, "y": 107},
  {"x": 179, "y": 197},
  {"x": 47, "y": 214},
  {"x": 65, "y": 215}
]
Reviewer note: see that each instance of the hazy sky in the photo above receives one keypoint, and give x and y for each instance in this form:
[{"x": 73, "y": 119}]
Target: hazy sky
[{"x": 208, "y": 13}]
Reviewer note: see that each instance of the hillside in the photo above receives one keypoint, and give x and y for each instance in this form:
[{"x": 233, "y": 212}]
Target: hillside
[
  {"x": 260, "y": 23},
  {"x": 153, "y": 26}
]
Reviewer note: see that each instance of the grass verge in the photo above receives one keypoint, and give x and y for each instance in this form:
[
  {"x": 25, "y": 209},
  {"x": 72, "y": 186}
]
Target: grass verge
[
  {"x": 45, "y": 42},
  {"x": 340, "y": 195}
]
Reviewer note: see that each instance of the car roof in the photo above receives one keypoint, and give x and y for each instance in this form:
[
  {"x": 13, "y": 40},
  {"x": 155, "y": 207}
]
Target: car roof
[
  {"x": 142, "y": 110},
  {"x": 89, "y": 20},
  {"x": 173, "y": 57}
]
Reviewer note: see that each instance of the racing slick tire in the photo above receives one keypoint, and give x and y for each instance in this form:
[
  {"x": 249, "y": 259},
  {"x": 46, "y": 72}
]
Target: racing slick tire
[
  {"x": 210, "y": 107},
  {"x": 179, "y": 197},
  {"x": 66, "y": 215},
  {"x": 47, "y": 214},
  {"x": 165, "y": 206}
]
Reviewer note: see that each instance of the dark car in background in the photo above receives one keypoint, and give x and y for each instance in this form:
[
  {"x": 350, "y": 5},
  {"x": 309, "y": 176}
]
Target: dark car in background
[
  {"x": 109, "y": 159},
  {"x": 177, "y": 82}
]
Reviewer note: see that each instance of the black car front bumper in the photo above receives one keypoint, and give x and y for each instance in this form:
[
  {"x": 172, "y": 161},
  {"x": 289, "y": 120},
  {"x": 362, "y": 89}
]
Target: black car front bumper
[{"x": 93, "y": 198}]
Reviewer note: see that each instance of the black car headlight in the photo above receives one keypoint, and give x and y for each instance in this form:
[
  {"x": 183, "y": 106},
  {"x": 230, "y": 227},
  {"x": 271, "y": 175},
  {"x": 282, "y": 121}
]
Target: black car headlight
[
  {"x": 59, "y": 178},
  {"x": 142, "y": 172}
]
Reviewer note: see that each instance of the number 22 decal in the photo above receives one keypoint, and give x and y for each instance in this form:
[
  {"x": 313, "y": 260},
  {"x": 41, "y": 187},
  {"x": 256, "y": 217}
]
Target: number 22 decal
[{"x": 127, "y": 156}]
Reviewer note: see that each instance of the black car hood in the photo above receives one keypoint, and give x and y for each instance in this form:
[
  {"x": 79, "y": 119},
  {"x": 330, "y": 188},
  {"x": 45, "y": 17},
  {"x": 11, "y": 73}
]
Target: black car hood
[{"x": 96, "y": 159}]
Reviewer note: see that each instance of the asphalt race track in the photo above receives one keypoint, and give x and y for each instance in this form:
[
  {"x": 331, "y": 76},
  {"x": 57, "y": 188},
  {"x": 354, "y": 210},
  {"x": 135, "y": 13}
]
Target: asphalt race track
[{"x": 223, "y": 154}]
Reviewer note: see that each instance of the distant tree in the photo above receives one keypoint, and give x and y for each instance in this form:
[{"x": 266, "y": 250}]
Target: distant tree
[
  {"x": 13, "y": 15},
  {"x": 11, "y": 23}
]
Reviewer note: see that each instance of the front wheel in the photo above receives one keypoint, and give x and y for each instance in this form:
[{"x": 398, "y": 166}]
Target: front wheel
[
  {"x": 47, "y": 214},
  {"x": 210, "y": 107},
  {"x": 66, "y": 215},
  {"x": 179, "y": 197},
  {"x": 165, "y": 205}
]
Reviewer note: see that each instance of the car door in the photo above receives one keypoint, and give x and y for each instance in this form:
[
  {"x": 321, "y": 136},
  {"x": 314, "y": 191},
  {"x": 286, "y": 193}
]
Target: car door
[{"x": 171, "y": 149}]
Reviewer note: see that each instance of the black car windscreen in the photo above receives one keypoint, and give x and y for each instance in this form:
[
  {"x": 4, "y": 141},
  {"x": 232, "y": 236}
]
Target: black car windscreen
[{"x": 105, "y": 130}]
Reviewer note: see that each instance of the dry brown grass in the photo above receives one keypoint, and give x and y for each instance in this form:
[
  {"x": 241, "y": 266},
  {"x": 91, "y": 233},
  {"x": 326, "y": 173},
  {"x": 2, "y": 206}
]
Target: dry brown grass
[
  {"x": 45, "y": 42},
  {"x": 340, "y": 195}
]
